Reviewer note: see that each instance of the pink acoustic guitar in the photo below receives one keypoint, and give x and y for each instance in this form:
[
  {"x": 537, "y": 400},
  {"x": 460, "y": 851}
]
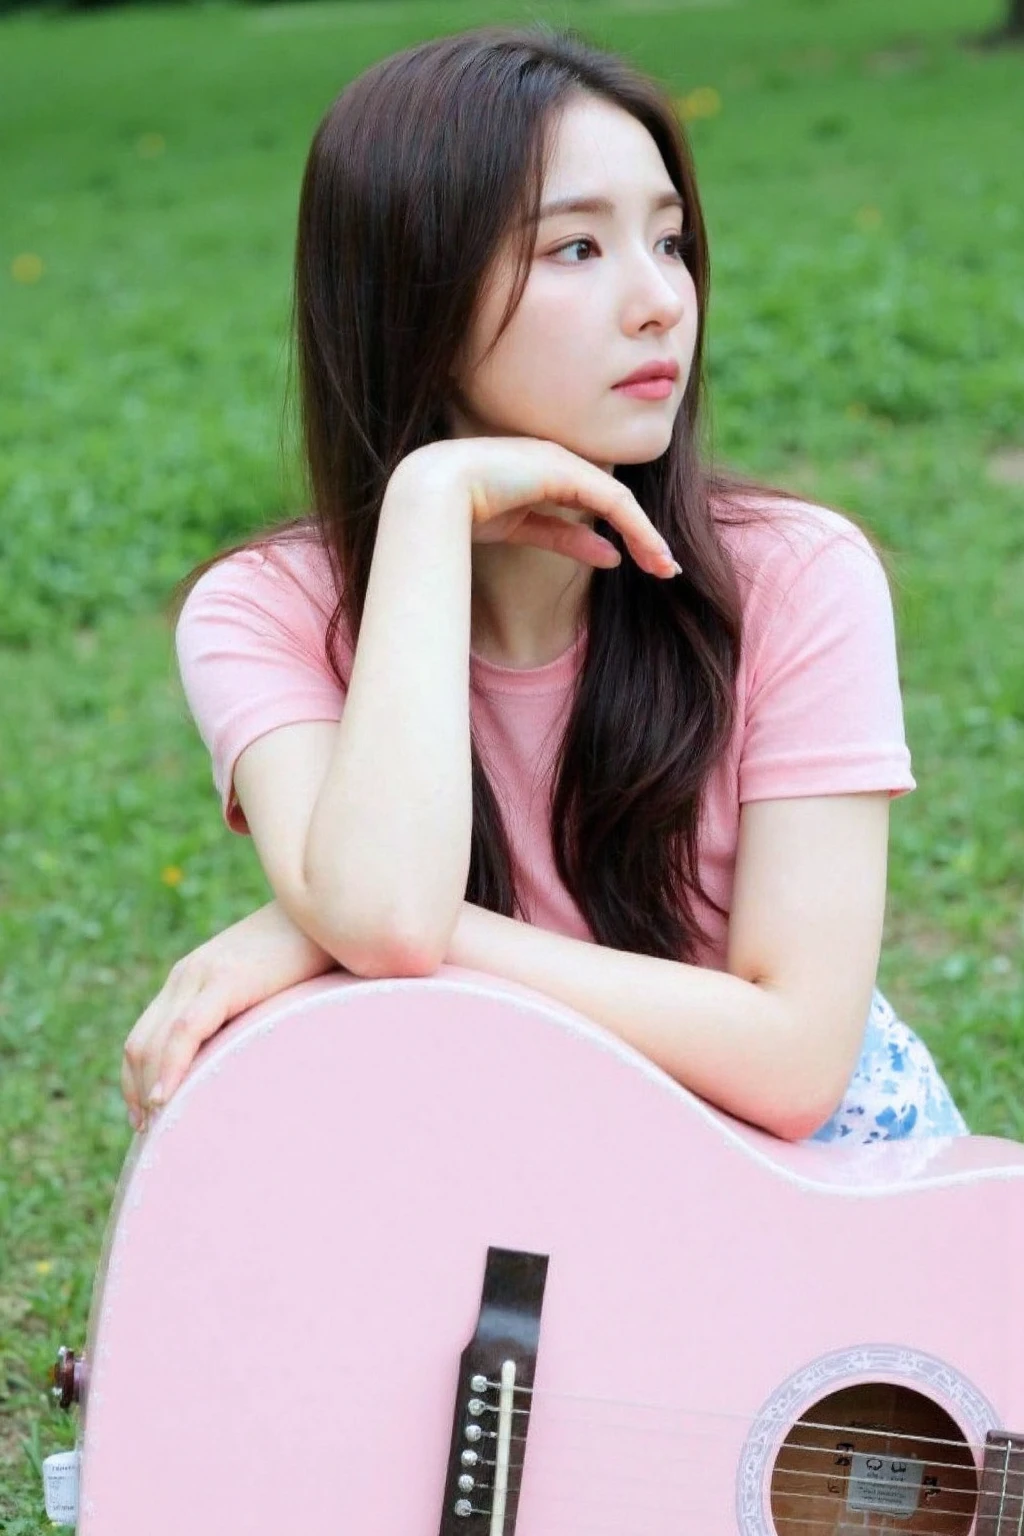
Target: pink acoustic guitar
[{"x": 439, "y": 1257}]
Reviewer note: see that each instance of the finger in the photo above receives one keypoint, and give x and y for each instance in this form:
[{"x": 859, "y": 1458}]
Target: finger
[
  {"x": 573, "y": 539},
  {"x": 175, "y": 1051},
  {"x": 130, "y": 1096},
  {"x": 599, "y": 491},
  {"x": 137, "y": 1054},
  {"x": 142, "y": 1046}
]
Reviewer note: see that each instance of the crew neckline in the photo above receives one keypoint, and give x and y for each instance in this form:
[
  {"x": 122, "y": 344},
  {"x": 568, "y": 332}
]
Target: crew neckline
[
  {"x": 487, "y": 677},
  {"x": 493, "y": 677}
]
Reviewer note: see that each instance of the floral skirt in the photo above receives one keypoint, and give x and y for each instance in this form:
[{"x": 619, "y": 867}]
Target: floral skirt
[{"x": 895, "y": 1091}]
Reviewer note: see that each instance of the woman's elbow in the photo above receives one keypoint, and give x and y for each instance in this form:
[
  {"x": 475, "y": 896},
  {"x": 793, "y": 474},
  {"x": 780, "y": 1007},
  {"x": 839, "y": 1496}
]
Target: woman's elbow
[
  {"x": 799, "y": 1127},
  {"x": 393, "y": 957},
  {"x": 369, "y": 949},
  {"x": 808, "y": 1113},
  {"x": 814, "y": 1094}
]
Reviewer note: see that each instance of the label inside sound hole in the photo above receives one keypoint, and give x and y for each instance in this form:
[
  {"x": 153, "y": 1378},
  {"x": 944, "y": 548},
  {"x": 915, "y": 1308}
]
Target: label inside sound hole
[{"x": 884, "y": 1483}]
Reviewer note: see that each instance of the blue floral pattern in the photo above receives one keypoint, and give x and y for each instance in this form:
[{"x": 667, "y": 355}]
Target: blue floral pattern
[{"x": 896, "y": 1090}]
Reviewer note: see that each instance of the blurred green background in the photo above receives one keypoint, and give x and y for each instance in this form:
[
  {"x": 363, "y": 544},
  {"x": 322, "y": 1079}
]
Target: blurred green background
[{"x": 859, "y": 164}]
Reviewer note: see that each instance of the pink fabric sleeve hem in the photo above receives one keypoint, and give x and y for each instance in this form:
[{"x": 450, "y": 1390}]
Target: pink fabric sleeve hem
[
  {"x": 299, "y": 710},
  {"x": 786, "y": 778}
]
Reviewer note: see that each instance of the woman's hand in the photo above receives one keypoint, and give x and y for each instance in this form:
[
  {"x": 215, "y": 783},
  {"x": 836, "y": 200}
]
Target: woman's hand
[
  {"x": 252, "y": 960},
  {"x": 506, "y": 479}
]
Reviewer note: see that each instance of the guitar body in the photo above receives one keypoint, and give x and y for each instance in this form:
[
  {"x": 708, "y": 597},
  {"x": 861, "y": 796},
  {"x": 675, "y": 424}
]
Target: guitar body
[{"x": 734, "y": 1330}]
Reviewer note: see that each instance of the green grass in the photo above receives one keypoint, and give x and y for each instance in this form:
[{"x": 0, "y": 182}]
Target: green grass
[{"x": 866, "y": 226}]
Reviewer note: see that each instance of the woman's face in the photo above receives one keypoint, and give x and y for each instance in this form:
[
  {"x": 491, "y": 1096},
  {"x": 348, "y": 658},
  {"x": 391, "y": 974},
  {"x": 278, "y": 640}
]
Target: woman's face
[{"x": 608, "y": 291}]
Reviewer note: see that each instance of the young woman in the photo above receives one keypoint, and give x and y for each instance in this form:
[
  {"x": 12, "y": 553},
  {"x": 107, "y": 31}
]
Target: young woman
[{"x": 530, "y": 689}]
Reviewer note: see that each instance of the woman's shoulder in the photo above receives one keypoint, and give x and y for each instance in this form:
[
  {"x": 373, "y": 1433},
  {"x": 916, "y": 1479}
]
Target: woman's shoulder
[
  {"x": 783, "y": 529},
  {"x": 265, "y": 607},
  {"x": 773, "y": 540},
  {"x": 287, "y": 572},
  {"x": 281, "y": 585},
  {"x": 251, "y": 650}
]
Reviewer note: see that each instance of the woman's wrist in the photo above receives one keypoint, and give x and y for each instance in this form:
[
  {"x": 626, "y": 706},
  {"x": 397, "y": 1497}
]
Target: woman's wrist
[
  {"x": 419, "y": 483},
  {"x": 290, "y": 942}
]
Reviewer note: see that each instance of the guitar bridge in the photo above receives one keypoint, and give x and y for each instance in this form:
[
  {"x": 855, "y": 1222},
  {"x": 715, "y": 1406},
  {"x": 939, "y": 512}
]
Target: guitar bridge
[{"x": 493, "y": 1397}]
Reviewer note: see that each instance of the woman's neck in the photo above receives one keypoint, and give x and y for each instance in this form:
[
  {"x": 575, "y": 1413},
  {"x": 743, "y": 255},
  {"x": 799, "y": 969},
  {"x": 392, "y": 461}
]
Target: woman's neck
[{"x": 527, "y": 604}]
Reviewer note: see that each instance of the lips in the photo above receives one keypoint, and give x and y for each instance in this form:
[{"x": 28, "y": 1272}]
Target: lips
[{"x": 650, "y": 371}]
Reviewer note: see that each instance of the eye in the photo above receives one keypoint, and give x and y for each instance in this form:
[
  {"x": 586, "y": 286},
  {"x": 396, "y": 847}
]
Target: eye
[
  {"x": 570, "y": 246},
  {"x": 678, "y": 241}
]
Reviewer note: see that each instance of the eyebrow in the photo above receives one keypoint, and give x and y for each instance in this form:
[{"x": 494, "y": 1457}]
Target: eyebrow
[{"x": 604, "y": 205}]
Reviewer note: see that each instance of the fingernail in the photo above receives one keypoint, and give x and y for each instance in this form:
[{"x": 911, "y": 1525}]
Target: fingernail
[
  {"x": 134, "y": 1120},
  {"x": 677, "y": 568},
  {"x": 156, "y": 1095}
]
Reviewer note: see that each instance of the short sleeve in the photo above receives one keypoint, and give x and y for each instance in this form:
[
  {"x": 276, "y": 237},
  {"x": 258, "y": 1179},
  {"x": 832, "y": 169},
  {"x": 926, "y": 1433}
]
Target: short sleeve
[
  {"x": 824, "y": 714},
  {"x": 250, "y": 649}
]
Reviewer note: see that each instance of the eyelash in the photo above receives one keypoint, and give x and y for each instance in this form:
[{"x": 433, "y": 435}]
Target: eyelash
[{"x": 680, "y": 240}]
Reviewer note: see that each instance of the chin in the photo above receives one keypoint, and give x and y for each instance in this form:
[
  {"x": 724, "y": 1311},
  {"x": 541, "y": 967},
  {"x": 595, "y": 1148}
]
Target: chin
[
  {"x": 623, "y": 448},
  {"x": 645, "y": 455}
]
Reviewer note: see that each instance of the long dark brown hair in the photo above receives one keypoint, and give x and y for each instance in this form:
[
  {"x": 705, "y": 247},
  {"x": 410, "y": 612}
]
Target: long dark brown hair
[{"x": 416, "y": 176}]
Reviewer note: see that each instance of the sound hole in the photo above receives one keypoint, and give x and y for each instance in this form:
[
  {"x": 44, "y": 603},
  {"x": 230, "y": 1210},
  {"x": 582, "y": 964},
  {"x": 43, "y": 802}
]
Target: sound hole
[{"x": 875, "y": 1457}]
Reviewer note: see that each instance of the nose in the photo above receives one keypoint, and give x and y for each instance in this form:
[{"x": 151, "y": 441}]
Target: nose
[{"x": 653, "y": 294}]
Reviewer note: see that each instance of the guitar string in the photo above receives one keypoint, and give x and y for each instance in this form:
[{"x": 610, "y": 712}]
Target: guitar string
[
  {"x": 667, "y": 1412},
  {"x": 1006, "y": 1496},
  {"x": 999, "y": 1518},
  {"x": 674, "y": 1511},
  {"x": 978, "y": 1500},
  {"x": 665, "y": 1429},
  {"x": 820, "y": 1450},
  {"x": 876, "y": 1530},
  {"x": 671, "y": 1516},
  {"x": 973, "y": 1496}
]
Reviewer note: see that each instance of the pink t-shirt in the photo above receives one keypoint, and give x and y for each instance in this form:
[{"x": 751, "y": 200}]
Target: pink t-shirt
[{"x": 818, "y": 684}]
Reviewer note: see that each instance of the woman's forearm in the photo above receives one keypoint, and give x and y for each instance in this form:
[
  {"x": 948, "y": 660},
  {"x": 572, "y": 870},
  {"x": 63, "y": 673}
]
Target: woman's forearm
[
  {"x": 741, "y": 1046},
  {"x": 388, "y": 847}
]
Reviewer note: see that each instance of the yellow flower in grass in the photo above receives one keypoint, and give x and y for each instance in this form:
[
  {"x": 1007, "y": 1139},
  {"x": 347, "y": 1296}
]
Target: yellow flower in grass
[
  {"x": 172, "y": 875},
  {"x": 27, "y": 268},
  {"x": 702, "y": 102},
  {"x": 43, "y": 1266}
]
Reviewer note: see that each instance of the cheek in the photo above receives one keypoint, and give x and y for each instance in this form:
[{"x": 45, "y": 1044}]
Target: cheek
[
  {"x": 546, "y": 360},
  {"x": 551, "y": 337},
  {"x": 551, "y": 359},
  {"x": 688, "y": 324}
]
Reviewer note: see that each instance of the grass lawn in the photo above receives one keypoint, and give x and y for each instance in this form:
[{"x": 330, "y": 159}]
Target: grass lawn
[{"x": 862, "y": 186}]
